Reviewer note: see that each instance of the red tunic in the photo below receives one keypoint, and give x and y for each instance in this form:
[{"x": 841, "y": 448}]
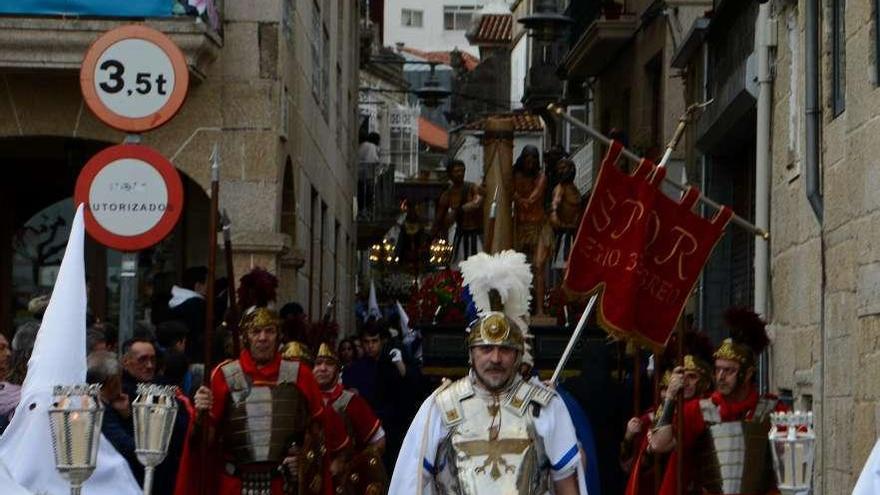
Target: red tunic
[
  {"x": 335, "y": 436},
  {"x": 358, "y": 414},
  {"x": 641, "y": 478},
  {"x": 694, "y": 426}
]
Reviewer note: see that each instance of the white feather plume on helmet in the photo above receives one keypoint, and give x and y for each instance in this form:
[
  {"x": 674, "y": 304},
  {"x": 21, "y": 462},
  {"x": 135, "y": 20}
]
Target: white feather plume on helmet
[
  {"x": 508, "y": 275},
  {"x": 507, "y": 272}
]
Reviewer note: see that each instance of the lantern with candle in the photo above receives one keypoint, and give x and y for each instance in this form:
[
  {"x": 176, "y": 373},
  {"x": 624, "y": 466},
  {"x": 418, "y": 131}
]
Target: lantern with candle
[
  {"x": 793, "y": 442},
  {"x": 75, "y": 419},
  {"x": 153, "y": 412}
]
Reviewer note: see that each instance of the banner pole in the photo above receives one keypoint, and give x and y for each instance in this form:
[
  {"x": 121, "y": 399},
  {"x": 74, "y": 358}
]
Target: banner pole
[
  {"x": 637, "y": 380},
  {"x": 566, "y": 354},
  {"x": 736, "y": 219},
  {"x": 679, "y": 426}
]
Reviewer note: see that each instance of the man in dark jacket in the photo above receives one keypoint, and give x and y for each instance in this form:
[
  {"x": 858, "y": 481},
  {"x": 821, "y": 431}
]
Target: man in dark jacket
[
  {"x": 104, "y": 369},
  {"x": 187, "y": 304}
]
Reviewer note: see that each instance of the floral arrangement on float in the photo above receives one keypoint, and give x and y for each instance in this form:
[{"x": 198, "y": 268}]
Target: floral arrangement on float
[{"x": 438, "y": 300}]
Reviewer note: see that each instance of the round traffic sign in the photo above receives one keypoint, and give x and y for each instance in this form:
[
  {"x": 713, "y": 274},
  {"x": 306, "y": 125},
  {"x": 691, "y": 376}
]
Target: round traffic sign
[
  {"x": 133, "y": 196},
  {"x": 134, "y": 78}
]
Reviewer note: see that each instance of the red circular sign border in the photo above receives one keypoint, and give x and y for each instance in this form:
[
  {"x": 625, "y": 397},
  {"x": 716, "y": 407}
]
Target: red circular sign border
[
  {"x": 169, "y": 175},
  {"x": 160, "y": 116}
]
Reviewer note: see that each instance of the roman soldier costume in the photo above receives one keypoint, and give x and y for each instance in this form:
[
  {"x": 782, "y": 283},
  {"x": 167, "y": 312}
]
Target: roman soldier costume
[
  {"x": 646, "y": 468},
  {"x": 261, "y": 412},
  {"x": 725, "y": 441},
  {"x": 365, "y": 472},
  {"x": 469, "y": 440}
]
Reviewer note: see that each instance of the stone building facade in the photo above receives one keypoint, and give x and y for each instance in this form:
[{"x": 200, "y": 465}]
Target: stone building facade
[
  {"x": 825, "y": 280},
  {"x": 824, "y": 300},
  {"x": 275, "y": 87}
]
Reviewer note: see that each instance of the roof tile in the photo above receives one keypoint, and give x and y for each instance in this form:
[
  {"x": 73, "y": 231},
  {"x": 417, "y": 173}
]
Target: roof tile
[{"x": 494, "y": 28}]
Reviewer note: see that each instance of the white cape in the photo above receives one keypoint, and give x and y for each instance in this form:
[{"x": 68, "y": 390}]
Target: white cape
[
  {"x": 869, "y": 480},
  {"x": 59, "y": 358}
]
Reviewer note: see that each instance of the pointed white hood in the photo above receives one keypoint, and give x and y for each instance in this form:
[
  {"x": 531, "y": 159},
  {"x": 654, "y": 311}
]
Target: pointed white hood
[
  {"x": 59, "y": 358},
  {"x": 373, "y": 303},
  {"x": 180, "y": 295}
]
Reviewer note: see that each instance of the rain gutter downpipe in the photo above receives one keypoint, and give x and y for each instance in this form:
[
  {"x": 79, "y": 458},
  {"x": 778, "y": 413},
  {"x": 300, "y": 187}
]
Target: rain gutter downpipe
[
  {"x": 763, "y": 44},
  {"x": 814, "y": 197}
]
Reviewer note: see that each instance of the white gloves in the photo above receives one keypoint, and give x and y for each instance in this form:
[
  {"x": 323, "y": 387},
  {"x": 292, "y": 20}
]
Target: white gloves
[{"x": 396, "y": 356}]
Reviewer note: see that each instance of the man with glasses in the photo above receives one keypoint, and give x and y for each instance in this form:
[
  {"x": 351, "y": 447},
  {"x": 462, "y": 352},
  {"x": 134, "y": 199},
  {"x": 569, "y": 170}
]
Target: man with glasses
[
  {"x": 725, "y": 436},
  {"x": 138, "y": 364}
]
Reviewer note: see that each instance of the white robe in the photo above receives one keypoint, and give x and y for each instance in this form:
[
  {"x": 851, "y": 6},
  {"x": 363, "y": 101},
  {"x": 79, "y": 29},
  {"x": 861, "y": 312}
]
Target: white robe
[
  {"x": 59, "y": 358},
  {"x": 869, "y": 480},
  {"x": 418, "y": 453}
]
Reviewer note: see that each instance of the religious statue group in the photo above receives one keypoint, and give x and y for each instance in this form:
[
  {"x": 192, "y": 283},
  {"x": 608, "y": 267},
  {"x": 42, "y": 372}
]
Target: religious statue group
[{"x": 543, "y": 234}]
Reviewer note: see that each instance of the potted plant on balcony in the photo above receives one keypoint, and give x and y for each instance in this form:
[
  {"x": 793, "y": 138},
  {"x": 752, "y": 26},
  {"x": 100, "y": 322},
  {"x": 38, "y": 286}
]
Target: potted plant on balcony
[{"x": 611, "y": 9}]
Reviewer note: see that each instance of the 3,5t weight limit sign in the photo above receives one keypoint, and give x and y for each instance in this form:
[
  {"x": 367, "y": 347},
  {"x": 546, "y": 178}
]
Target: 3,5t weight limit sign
[
  {"x": 143, "y": 83},
  {"x": 134, "y": 78}
]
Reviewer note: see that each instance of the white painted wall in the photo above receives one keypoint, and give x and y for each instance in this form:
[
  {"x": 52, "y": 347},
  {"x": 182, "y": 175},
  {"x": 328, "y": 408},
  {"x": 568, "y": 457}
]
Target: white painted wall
[
  {"x": 519, "y": 66},
  {"x": 432, "y": 36},
  {"x": 471, "y": 153}
]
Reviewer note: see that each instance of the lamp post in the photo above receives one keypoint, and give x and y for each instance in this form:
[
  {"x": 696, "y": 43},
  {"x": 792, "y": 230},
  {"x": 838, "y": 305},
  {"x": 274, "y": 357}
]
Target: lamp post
[
  {"x": 793, "y": 444},
  {"x": 75, "y": 419},
  {"x": 153, "y": 412},
  {"x": 543, "y": 86},
  {"x": 546, "y": 24},
  {"x": 432, "y": 92}
]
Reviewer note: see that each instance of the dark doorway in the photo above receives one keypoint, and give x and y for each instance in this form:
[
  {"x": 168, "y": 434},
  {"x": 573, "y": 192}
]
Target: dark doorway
[{"x": 35, "y": 223}]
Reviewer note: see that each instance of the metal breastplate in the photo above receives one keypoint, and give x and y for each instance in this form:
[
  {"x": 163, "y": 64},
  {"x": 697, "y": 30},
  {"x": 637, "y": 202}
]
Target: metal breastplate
[
  {"x": 262, "y": 420},
  {"x": 340, "y": 405},
  {"x": 473, "y": 461},
  {"x": 736, "y": 457}
]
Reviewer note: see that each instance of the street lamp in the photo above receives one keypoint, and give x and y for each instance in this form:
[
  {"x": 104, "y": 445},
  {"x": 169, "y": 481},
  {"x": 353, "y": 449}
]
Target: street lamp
[
  {"x": 546, "y": 24},
  {"x": 793, "y": 442},
  {"x": 431, "y": 93},
  {"x": 75, "y": 419}
]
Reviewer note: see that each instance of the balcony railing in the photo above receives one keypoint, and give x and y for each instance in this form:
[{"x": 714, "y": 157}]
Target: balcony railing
[
  {"x": 208, "y": 10},
  {"x": 55, "y": 34},
  {"x": 376, "y": 196}
]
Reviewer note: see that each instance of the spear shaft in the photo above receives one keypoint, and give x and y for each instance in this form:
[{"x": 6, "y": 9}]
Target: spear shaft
[{"x": 209, "y": 306}]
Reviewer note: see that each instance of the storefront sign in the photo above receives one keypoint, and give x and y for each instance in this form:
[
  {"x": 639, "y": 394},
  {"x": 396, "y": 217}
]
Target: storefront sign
[
  {"x": 134, "y": 78},
  {"x": 641, "y": 250},
  {"x": 133, "y": 197}
]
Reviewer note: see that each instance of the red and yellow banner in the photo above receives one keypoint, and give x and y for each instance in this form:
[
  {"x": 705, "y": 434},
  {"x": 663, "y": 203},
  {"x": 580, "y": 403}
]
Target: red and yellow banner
[{"x": 641, "y": 250}]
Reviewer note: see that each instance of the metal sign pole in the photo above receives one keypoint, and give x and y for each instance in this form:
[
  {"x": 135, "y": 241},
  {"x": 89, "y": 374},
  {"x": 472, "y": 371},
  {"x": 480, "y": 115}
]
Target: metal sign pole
[{"x": 127, "y": 297}]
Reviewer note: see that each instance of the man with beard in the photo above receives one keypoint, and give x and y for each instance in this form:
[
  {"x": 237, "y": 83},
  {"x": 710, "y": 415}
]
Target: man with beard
[
  {"x": 694, "y": 380},
  {"x": 267, "y": 414},
  {"x": 565, "y": 211},
  {"x": 461, "y": 204},
  {"x": 725, "y": 436},
  {"x": 364, "y": 428},
  {"x": 491, "y": 431},
  {"x": 532, "y": 234}
]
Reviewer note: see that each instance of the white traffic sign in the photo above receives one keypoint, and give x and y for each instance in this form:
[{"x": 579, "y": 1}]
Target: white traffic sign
[
  {"x": 134, "y": 78},
  {"x": 134, "y": 197}
]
